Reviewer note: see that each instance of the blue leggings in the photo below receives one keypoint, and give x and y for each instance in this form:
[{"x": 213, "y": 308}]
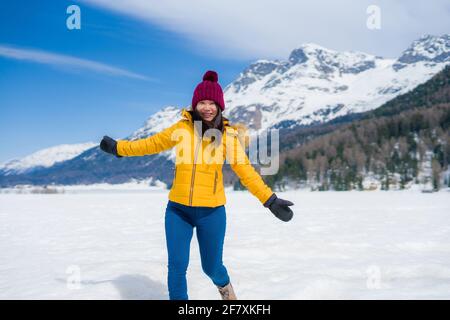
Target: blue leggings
[{"x": 210, "y": 223}]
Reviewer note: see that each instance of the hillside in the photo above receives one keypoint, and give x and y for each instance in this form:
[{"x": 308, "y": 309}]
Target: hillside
[{"x": 404, "y": 141}]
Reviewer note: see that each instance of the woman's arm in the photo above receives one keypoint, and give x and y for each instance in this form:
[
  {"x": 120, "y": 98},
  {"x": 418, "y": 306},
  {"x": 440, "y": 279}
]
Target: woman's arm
[
  {"x": 247, "y": 174},
  {"x": 255, "y": 184},
  {"x": 154, "y": 144}
]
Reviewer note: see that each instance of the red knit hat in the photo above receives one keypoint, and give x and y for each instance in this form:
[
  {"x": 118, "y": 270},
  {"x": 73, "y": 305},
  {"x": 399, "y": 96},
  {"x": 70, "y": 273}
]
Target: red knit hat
[{"x": 209, "y": 89}]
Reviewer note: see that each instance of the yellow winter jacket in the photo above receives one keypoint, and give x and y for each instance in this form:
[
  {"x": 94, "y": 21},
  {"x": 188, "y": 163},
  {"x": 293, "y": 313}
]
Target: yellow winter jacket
[{"x": 198, "y": 179}]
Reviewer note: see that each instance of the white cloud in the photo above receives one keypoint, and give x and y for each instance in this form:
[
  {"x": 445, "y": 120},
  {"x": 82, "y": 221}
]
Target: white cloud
[
  {"x": 50, "y": 58},
  {"x": 271, "y": 29}
]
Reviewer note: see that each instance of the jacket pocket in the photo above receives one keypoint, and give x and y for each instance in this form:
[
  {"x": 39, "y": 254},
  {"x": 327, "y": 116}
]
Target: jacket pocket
[{"x": 215, "y": 182}]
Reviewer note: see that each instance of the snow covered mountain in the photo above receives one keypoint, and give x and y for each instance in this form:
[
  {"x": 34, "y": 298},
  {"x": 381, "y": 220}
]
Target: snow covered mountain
[
  {"x": 45, "y": 158},
  {"x": 313, "y": 86},
  {"x": 317, "y": 84}
]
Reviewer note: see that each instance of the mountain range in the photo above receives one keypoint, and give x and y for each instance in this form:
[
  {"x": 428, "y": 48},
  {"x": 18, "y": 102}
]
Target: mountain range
[{"x": 313, "y": 87}]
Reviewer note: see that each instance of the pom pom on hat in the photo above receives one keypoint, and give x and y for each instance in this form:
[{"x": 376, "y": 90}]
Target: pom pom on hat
[{"x": 210, "y": 76}]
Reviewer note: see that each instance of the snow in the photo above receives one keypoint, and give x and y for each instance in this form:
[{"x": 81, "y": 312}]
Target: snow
[
  {"x": 303, "y": 84},
  {"x": 355, "y": 245},
  {"x": 46, "y": 157},
  {"x": 133, "y": 185},
  {"x": 429, "y": 46},
  {"x": 307, "y": 91}
]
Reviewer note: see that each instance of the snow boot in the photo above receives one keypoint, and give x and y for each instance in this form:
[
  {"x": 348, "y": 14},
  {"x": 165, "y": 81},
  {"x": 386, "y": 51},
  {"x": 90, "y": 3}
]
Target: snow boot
[{"x": 227, "y": 292}]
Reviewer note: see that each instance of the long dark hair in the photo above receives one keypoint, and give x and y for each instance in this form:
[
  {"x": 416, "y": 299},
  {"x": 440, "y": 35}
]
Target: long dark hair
[{"x": 216, "y": 123}]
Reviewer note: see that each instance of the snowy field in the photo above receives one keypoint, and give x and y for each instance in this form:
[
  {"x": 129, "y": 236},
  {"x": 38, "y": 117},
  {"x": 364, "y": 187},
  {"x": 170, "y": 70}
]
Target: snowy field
[{"x": 339, "y": 245}]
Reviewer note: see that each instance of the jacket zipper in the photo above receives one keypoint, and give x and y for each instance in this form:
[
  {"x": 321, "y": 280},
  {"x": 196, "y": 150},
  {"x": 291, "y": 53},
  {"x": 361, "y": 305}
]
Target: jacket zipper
[
  {"x": 193, "y": 174},
  {"x": 215, "y": 182},
  {"x": 175, "y": 175}
]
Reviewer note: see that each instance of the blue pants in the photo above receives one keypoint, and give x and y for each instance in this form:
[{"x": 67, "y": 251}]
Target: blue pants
[{"x": 210, "y": 223}]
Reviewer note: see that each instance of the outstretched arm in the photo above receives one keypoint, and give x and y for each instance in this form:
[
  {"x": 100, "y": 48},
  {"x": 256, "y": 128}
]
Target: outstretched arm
[
  {"x": 254, "y": 183},
  {"x": 247, "y": 174},
  {"x": 154, "y": 144}
]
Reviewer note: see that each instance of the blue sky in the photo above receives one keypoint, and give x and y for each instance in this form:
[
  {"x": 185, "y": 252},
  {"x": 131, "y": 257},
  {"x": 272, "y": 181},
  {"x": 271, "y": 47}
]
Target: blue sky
[
  {"x": 131, "y": 58},
  {"x": 43, "y": 105}
]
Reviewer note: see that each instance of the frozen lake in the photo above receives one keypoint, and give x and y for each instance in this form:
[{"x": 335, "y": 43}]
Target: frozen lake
[{"x": 352, "y": 245}]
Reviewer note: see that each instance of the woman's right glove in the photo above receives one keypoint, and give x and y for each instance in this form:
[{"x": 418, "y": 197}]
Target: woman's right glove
[
  {"x": 109, "y": 145},
  {"x": 279, "y": 207}
]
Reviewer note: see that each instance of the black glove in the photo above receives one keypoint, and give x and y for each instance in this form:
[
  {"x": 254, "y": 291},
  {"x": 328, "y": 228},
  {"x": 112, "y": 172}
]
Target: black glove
[
  {"x": 109, "y": 145},
  {"x": 279, "y": 207}
]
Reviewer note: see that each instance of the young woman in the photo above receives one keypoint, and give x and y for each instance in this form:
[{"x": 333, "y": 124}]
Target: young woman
[{"x": 197, "y": 196}]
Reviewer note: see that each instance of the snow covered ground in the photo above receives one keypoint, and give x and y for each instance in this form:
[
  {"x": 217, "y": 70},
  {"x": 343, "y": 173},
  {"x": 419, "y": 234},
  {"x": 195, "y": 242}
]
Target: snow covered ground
[{"x": 356, "y": 245}]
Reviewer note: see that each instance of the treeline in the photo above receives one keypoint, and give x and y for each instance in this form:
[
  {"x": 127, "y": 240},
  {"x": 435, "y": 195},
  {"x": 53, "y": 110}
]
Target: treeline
[
  {"x": 405, "y": 141},
  {"x": 393, "y": 151}
]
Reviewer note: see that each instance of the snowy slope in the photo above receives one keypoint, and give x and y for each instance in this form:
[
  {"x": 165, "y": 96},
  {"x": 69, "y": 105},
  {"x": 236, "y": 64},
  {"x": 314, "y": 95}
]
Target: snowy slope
[
  {"x": 339, "y": 245},
  {"x": 317, "y": 84},
  {"x": 45, "y": 157}
]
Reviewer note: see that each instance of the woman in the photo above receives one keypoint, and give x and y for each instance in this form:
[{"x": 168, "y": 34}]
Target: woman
[{"x": 197, "y": 196}]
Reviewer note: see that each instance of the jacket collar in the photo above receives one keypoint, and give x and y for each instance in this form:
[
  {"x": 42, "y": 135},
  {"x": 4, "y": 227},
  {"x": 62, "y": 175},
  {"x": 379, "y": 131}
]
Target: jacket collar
[{"x": 185, "y": 114}]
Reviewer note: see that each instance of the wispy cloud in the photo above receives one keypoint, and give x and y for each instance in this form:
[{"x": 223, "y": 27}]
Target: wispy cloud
[
  {"x": 45, "y": 57},
  {"x": 250, "y": 29}
]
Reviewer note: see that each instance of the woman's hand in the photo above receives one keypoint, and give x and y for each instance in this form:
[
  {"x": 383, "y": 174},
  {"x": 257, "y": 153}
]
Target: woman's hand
[
  {"x": 279, "y": 207},
  {"x": 109, "y": 145}
]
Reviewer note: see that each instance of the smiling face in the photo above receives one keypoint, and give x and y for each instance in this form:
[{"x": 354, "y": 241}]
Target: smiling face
[{"x": 207, "y": 109}]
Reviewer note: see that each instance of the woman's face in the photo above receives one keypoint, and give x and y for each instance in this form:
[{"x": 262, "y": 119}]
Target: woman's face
[{"x": 207, "y": 109}]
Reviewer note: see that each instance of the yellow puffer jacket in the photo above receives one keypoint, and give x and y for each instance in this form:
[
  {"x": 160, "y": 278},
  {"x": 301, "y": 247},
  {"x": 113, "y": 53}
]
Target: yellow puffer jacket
[{"x": 200, "y": 182}]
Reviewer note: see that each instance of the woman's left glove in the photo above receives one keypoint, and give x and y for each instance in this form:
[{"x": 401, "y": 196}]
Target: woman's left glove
[{"x": 279, "y": 207}]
